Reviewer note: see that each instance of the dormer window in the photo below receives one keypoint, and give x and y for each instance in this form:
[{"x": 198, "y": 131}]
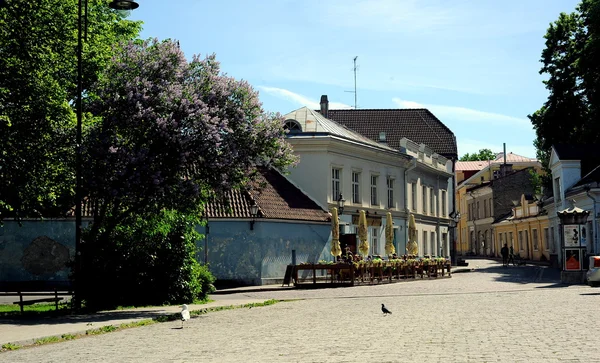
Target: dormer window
[
  {"x": 292, "y": 126},
  {"x": 557, "y": 191}
]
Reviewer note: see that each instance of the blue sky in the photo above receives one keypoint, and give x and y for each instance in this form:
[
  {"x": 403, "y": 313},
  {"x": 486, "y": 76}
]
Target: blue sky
[{"x": 473, "y": 63}]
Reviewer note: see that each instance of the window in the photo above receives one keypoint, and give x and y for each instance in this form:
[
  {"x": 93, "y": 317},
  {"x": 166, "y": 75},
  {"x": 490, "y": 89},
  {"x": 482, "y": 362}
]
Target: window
[
  {"x": 485, "y": 208},
  {"x": 390, "y": 192},
  {"x": 525, "y": 247},
  {"x": 434, "y": 250},
  {"x": 546, "y": 241},
  {"x": 534, "y": 239},
  {"x": 374, "y": 199},
  {"x": 521, "y": 240},
  {"x": 490, "y": 204},
  {"x": 425, "y": 244},
  {"x": 431, "y": 202},
  {"x": 478, "y": 211},
  {"x": 424, "y": 200},
  {"x": 414, "y": 196},
  {"x": 501, "y": 240},
  {"x": 374, "y": 241},
  {"x": 356, "y": 188},
  {"x": 335, "y": 183},
  {"x": 511, "y": 241},
  {"x": 557, "y": 196},
  {"x": 470, "y": 210},
  {"x": 443, "y": 211},
  {"x": 292, "y": 126},
  {"x": 444, "y": 245},
  {"x": 551, "y": 239}
]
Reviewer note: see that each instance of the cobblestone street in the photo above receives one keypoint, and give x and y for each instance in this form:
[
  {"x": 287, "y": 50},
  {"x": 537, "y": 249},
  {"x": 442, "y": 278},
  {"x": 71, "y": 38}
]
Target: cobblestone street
[{"x": 491, "y": 314}]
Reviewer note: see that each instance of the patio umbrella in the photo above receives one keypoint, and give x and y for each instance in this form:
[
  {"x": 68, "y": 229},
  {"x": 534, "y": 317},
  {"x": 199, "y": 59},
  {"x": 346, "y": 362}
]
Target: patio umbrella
[
  {"x": 336, "y": 250},
  {"x": 411, "y": 246},
  {"x": 362, "y": 234},
  {"x": 389, "y": 235}
]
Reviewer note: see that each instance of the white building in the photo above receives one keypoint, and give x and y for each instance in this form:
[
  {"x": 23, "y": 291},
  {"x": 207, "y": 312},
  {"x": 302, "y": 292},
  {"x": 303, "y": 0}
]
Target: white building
[
  {"x": 575, "y": 176},
  {"x": 372, "y": 176}
]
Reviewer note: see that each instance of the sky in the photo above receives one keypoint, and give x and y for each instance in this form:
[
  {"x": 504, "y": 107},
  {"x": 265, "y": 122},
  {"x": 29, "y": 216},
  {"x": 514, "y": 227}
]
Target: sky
[{"x": 473, "y": 63}]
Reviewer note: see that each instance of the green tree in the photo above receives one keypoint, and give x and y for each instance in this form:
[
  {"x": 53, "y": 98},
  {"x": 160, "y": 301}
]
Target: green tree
[
  {"x": 38, "y": 65},
  {"x": 571, "y": 62},
  {"x": 483, "y": 154},
  {"x": 168, "y": 134}
]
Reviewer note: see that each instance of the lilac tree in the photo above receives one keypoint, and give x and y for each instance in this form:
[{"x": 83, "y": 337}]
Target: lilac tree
[
  {"x": 165, "y": 136},
  {"x": 169, "y": 133}
]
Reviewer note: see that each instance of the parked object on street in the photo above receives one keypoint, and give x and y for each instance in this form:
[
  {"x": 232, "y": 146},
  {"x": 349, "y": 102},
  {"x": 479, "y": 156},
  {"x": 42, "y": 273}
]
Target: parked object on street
[{"x": 593, "y": 274}]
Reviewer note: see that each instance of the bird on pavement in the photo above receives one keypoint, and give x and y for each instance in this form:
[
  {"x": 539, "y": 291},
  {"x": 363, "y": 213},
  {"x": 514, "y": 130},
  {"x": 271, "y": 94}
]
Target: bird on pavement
[
  {"x": 385, "y": 310},
  {"x": 185, "y": 314}
]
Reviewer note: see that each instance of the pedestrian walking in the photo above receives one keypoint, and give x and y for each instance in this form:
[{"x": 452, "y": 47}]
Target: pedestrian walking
[
  {"x": 504, "y": 253},
  {"x": 511, "y": 255}
]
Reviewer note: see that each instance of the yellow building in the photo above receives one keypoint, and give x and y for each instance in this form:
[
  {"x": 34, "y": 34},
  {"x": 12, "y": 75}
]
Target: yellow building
[
  {"x": 469, "y": 174},
  {"x": 527, "y": 230}
]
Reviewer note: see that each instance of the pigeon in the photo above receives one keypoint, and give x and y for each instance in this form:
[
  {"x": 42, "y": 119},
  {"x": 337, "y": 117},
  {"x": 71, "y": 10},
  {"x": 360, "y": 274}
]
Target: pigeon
[
  {"x": 385, "y": 310},
  {"x": 185, "y": 314}
]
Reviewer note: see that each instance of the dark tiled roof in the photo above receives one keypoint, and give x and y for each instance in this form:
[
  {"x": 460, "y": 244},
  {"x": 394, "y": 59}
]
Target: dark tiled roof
[
  {"x": 587, "y": 154},
  {"x": 592, "y": 177},
  {"x": 276, "y": 198},
  {"x": 577, "y": 151},
  {"x": 418, "y": 125}
]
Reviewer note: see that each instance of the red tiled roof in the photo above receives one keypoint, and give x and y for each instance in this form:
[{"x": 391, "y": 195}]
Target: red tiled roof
[
  {"x": 470, "y": 165},
  {"x": 276, "y": 198},
  {"x": 418, "y": 125}
]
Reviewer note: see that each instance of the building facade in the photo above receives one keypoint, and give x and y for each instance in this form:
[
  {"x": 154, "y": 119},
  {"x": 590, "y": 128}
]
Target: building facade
[
  {"x": 477, "y": 182},
  {"x": 338, "y": 163}
]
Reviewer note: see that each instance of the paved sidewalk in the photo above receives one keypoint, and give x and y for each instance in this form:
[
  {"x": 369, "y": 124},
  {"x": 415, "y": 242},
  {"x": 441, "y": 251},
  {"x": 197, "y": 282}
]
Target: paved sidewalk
[{"x": 24, "y": 332}]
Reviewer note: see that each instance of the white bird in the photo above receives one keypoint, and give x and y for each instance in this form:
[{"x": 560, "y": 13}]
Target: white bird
[{"x": 185, "y": 314}]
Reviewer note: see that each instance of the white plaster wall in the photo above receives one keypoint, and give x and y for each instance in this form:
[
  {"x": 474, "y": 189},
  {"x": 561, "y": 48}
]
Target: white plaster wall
[{"x": 313, "y": 175}]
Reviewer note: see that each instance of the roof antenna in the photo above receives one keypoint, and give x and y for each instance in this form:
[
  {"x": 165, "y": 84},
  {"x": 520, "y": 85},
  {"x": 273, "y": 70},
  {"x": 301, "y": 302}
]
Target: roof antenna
[{"x": 355, "y": 94}]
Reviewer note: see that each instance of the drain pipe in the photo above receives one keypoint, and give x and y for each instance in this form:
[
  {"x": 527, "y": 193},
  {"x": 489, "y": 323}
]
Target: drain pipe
[
  {"x": 595, "y": 227},
  {"x": 411, "y": 167}
]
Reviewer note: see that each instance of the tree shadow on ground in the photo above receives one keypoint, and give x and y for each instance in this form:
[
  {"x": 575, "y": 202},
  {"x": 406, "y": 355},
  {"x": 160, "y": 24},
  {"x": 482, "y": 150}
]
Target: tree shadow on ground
[
  {"x": 525, "y": 274},
  {"x": 91, "y": 319}
]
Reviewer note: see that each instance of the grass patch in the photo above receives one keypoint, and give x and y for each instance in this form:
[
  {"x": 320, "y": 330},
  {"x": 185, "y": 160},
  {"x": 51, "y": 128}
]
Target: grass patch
[
  {"x": 10, "y": 346},
  {"x": 47, "y": 340},
  {"x": 36, "y": 310},
  {"x": 135, "y": 324}
]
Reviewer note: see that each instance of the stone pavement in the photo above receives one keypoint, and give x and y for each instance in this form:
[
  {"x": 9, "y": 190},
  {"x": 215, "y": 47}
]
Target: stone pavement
[
  {"x": 492, "y": 314},
  {"x": 24, "y": 332}
]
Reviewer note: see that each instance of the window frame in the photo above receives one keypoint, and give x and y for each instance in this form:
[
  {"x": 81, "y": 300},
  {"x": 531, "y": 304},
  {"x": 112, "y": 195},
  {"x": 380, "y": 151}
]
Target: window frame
[
  {"x": 356, "y": 187},
  {"x": 336, "y": 180},
  {"x": 390, "y": 183},
  {"x": 374, "y": 191},
  {"x": 424, "y": 199}
]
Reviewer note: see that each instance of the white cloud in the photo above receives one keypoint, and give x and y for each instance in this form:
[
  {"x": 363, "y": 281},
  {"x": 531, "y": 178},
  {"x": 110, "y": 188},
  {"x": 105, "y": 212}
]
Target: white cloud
[
  {"x": 464, "y": 114},
  {"x": 300, "y": 99},
  {"x": 414, "y": 16}
]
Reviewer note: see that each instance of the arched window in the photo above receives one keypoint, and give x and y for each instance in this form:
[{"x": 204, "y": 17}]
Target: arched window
[{"x": 292, "y": 126}]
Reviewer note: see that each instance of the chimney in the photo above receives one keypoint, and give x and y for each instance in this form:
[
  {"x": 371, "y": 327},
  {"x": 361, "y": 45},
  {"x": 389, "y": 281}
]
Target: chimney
[{"x": 324, "y": 105}]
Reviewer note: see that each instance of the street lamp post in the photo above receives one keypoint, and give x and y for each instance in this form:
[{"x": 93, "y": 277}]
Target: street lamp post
[
  {"x": 254, "y": 214},
  {"x": 117, "y": 5},
  {"x": 454, "y": 223},
  {"x": 340, "y": 204}
]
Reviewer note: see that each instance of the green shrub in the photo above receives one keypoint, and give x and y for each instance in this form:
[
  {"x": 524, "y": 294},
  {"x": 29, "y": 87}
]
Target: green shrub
[{"x": 148, "y": 262}]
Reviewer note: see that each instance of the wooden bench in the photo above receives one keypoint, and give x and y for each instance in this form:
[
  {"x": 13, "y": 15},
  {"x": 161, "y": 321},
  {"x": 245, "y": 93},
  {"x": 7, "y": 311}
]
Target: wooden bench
[
  {"x": 44, "y": 296},
  {"x": 22, "y": 302}
]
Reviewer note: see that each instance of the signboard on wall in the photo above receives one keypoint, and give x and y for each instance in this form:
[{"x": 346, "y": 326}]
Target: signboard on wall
[
  {"x": 583, "y": 232},
  {"x": 572, "y": 235},
  {"x": 573, "y": 259}
]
